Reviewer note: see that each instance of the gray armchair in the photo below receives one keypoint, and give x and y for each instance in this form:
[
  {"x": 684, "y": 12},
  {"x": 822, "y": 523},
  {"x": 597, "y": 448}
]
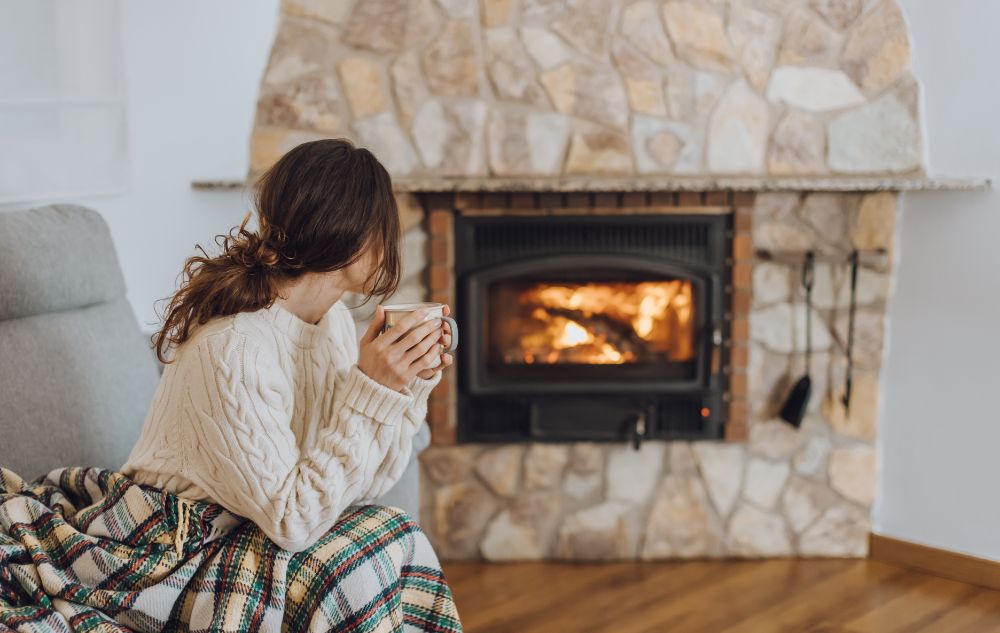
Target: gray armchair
[{"x": 77, "y": 374}]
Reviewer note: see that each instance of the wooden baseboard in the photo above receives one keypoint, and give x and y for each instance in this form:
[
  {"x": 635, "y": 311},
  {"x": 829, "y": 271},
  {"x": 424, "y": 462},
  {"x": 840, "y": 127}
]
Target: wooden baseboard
[{"x": 940, "y": 562}]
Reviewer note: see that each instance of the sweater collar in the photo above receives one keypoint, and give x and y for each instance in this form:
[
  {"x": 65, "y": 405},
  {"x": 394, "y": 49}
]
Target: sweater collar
[{"x": 302, "y": 333}]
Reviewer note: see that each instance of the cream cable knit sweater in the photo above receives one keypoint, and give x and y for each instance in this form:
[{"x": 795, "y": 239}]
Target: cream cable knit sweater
[{"x": 270, "y": 416}]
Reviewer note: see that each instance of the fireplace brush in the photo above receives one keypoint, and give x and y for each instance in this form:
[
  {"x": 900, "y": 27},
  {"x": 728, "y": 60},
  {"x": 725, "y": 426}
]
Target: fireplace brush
[{"x": 795, "y": 406}]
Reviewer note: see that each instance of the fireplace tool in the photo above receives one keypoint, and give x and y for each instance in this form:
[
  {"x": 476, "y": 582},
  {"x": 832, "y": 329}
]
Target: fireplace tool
[
  {"x": 795, "y": 406},
  {"x": 850, "y": 330}
]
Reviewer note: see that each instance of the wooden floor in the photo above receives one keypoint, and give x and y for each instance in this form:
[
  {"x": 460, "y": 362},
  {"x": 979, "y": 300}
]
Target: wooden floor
[{"x": 735, "y": 597}]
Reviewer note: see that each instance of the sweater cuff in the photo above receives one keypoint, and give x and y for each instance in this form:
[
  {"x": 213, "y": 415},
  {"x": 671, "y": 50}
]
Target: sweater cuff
[
  {"x": 372, "y": 399},
  {"x": 421, "y": 388}
]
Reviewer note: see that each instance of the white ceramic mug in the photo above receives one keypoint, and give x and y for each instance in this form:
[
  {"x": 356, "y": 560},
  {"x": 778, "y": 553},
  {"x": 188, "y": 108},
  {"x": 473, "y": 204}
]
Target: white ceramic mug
[{"x": 393, "y": 314}]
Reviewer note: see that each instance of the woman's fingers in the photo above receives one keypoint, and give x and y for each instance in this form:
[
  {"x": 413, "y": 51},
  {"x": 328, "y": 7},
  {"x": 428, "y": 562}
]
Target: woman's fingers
[
  {"x": 399, "y": 328},
  {"x": 429, "y": 344},
  {"x": 419, "y": 333}
]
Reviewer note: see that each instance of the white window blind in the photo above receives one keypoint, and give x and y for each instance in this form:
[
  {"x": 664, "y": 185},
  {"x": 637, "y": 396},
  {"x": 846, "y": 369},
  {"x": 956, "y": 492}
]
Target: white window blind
[{"x": 63, "y": 127}]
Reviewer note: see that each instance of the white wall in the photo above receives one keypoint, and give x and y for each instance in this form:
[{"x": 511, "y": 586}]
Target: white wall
[
  {"x": 192, "y": 75},
  {"x": 940, "y": 434}
]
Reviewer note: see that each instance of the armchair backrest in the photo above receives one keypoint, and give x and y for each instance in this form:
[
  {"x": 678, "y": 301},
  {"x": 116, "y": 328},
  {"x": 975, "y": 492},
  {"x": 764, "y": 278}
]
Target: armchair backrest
[{"x": 76, "y": 373}]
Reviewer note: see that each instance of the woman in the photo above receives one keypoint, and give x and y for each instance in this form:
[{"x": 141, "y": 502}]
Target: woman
[{"x": 268, "y": 407}]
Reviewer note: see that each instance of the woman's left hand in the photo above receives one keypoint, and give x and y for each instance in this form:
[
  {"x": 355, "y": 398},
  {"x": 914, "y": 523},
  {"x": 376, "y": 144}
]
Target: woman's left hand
[{"x": 446, "y": 358}]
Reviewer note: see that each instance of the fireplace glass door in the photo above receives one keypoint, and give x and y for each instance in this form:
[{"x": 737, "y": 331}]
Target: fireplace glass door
[{"x": 612, "y": 329}]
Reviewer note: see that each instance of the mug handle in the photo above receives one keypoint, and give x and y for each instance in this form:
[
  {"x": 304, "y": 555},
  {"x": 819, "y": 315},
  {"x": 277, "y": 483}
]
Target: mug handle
[{"x": 454, "y": 333}]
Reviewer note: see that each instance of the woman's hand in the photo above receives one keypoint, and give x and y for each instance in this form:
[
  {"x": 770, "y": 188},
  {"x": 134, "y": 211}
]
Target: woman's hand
[
  {"x": 446, "y": 359},
  {"x": 394, "y": 359}
]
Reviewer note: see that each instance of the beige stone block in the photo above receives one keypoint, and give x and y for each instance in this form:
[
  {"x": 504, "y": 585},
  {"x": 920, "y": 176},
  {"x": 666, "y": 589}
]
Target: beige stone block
[
  {"x": 754, "y": 533},
  {"x": 523, "y": 531},
  {"x": 877, "y": 51},
  {"x": 461, "y": 513},
  {"x": 852, "y": 473},
  {"x": 699, "y": 35},
  {"x": 737, "y": 133},
  {"x": 876, "y": 223},
  {"x": 607, "y": 531},
  {"x": 809, "y": 41},
  {"x": 544, "y": 464},
  {"x": 390, "y": 25},
  {"x": 682, "y": 523},
  {"x": 842, "y": 531},
  {"x": 587, "y": 457},
  {"x": 450, "y": 62},
  {"x": 362, "y": 82},
  {"x": 641, "y": 25},
  {"x": 798, "y": 145},
  {"x": 721, "y": 467},
  {"x": 408, "y": 86},
  {"x": 500, "y": 468},
  {"x": 584, "y": 24},
  {"x": 589, "y": 91},
  {"x": 596, "y": 150},
  {"x": 448, "y": 464},
  {"x": 754, "y": 36},
  {"x": 765, "y": 479}
]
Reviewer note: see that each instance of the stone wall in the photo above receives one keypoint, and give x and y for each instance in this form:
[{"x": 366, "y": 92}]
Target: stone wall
[
  {"x": 634, "y": 87},
  {"x": 780, "y": 492},
  {"x": 549, "y": 87}
]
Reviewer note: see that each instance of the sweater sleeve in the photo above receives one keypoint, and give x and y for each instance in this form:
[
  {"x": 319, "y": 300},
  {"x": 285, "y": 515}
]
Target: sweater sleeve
[
  {"x": 396, "y": 458},
  {"x": 244, "y": 453},
  {"x": 390, "y": 470}
]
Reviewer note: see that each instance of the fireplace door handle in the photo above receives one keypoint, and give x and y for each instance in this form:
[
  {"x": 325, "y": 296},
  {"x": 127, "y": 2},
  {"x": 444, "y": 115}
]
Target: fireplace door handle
[{"x": 639, "y": 429}]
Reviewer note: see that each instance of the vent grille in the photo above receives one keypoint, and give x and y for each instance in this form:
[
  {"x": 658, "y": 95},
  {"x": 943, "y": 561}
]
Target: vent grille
[{"x": 687, "y": 241}]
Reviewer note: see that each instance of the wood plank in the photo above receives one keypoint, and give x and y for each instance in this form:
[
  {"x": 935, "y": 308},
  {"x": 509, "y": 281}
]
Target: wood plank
[{"x": 793, "y": 595}]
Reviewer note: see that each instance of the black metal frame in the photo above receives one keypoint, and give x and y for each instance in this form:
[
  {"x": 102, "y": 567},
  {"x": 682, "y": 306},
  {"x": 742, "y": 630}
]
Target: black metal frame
[{"x": 601, "y": 407}]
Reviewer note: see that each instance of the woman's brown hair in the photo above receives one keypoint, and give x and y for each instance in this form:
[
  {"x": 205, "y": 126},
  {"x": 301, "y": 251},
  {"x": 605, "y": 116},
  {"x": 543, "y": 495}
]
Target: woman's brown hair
[{"x": 320, "y": 206}]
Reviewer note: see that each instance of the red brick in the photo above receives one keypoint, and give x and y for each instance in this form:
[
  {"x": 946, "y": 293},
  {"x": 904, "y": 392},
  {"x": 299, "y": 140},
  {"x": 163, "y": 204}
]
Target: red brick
[
  {"x": 663, "y": 198},
  {"x": 736, "y": 431},
  {"x": 740, "y": 329},
  {"x": 742, "y": 274},
  {"x": 440, "y": 277},
  {"x": 689, "y": 199},
  {"x": 741, "y": 302},
  {"x": 743, "y": 198},
  {"x": 496, "y": 200},
  {"x": 440, "y": 251},
  {"x": 742, "y": 247},
  {"x": 522, "y": 200},
  {"x": 739, "y": 355},
  {"x": 441, "y": 222},
  {"x": 606, "y": 199},
  {"x": 578, "y": 199},
  {"x": 743, "y": 221},
  {"x": 633, "y": 199},
  {"x": 550, "y": 200},
  {"x": 468, "y": 199},
  {"x": 438, "y": 200},
  {"x": 738, "y": 384},
  {"x": 717, "y": 198}
]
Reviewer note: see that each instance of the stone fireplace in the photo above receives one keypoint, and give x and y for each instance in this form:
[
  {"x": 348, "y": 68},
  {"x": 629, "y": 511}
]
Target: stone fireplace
[
  {"x": 766, "y": 488},
  {"x": 615, "y": 197}
]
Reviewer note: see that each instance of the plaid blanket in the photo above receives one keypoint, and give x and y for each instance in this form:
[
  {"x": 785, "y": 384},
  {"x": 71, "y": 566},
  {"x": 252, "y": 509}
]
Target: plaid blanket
[{"x": 88, "y": 549}]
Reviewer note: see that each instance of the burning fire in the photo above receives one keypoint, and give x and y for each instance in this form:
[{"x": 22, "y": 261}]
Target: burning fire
[{"x": 604, "y": 323}]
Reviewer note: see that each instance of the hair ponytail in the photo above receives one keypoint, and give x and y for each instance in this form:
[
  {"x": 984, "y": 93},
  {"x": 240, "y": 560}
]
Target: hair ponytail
[{"x": 311, "y": 221}]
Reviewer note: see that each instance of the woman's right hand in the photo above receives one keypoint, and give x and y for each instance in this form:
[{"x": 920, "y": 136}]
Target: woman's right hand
[{"x": 393, "y": 359}]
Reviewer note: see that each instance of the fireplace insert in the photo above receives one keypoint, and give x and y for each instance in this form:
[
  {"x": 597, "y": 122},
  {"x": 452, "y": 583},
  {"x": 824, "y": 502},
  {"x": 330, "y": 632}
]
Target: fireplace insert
[{"x": 603, "y": 328}]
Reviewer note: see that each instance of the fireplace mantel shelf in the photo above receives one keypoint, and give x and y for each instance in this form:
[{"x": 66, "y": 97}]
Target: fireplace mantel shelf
[{"x": 664, "y": 183}]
